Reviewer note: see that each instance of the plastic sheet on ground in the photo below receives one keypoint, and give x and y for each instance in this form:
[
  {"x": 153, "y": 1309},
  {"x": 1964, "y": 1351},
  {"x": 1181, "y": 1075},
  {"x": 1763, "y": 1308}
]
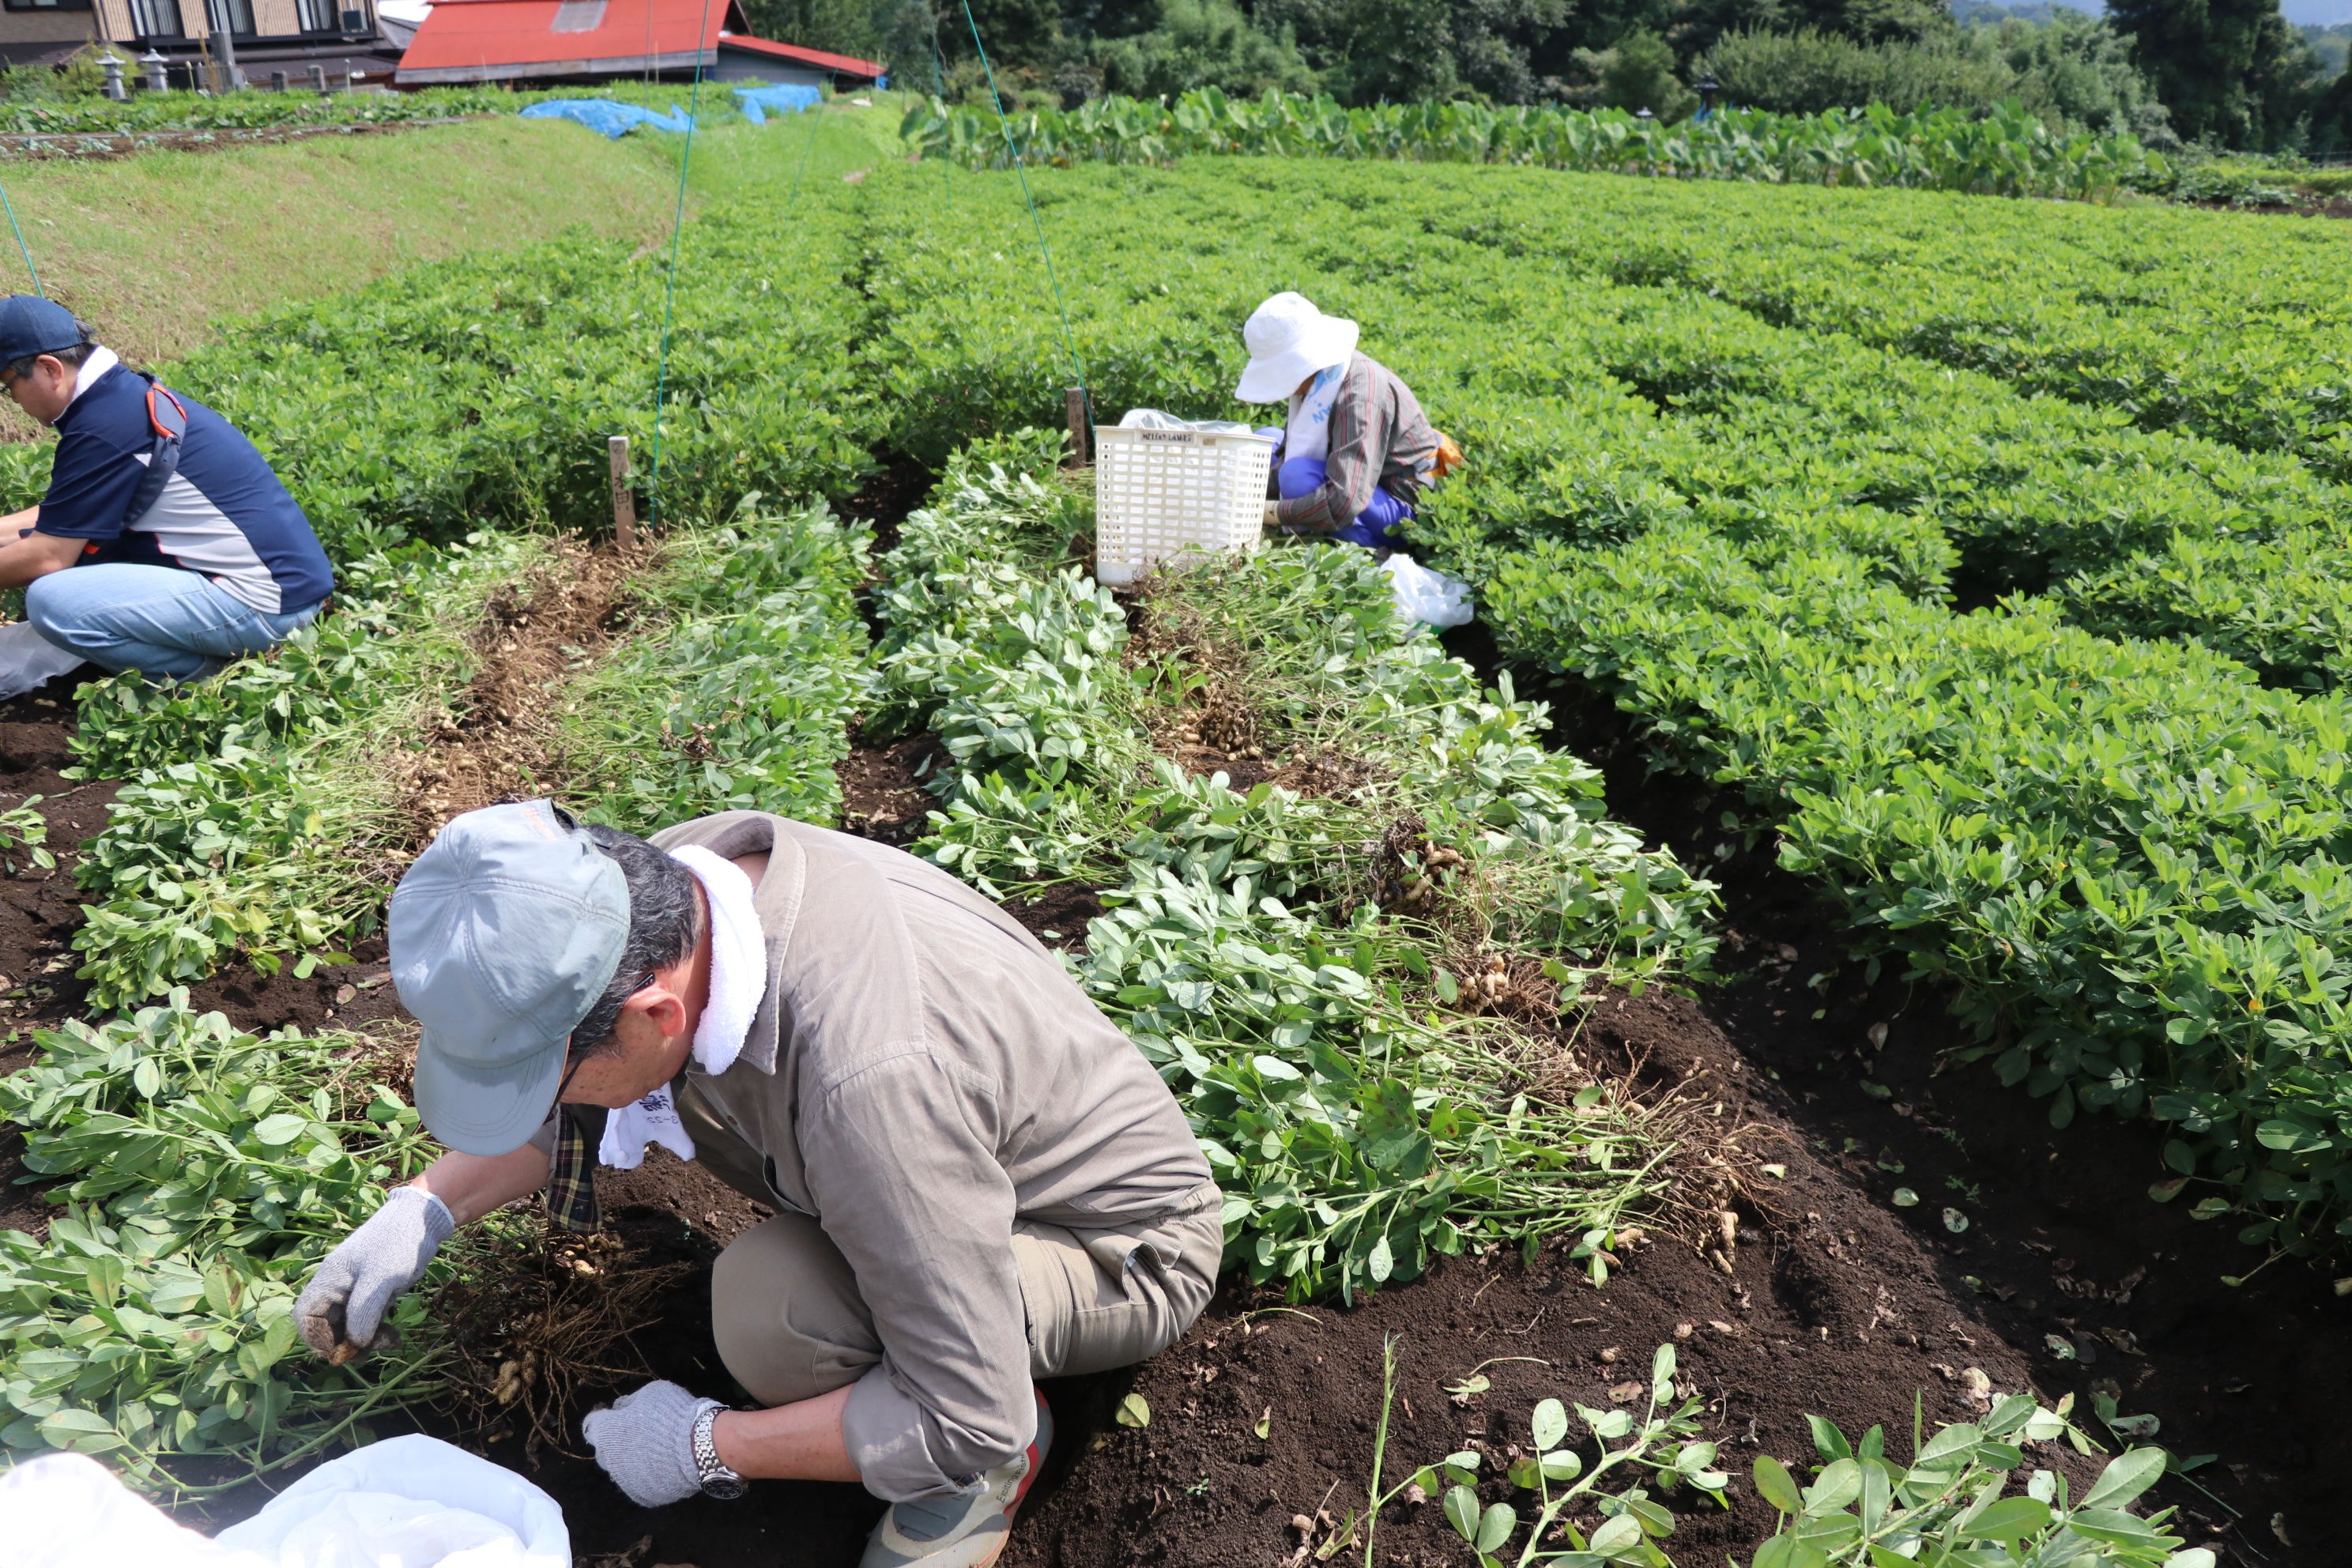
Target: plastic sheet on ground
[
  {"x": 607, "y": 118},
  {"x": 758, "y": 101},
  {"x": 1431, "y": 597},
  {"x": 405, "y": 1502},
  {"x": 1155, "y": 419},
  {"x": 29, "y": 660}
]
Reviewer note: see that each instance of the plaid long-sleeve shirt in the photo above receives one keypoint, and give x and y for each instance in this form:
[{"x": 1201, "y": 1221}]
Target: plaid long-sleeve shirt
[{"x": 1379, "y": 439}]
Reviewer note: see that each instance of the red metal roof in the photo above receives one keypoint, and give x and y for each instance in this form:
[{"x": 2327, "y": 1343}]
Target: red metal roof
[
  {"x": 843, "y": 65},
  {"x": 479, "y": 41}
]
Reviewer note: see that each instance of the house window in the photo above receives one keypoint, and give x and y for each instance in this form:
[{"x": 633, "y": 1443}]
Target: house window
[
  {"x": 578, "y": 16},
  {"x": 234, "y": 16},
  {"x": 317, "y": 16},
  {"x": 47, "y": 5},
  {"x": 154, "y": 19}
]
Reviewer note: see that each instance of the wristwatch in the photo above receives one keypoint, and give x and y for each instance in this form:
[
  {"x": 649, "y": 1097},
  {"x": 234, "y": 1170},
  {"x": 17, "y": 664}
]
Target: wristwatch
[{"x": 718, "y": 1480}]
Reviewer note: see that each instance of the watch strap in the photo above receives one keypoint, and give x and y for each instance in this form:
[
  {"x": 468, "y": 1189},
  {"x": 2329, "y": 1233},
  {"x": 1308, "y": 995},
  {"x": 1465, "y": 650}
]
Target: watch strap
[{"x": 716, "y": 1479}]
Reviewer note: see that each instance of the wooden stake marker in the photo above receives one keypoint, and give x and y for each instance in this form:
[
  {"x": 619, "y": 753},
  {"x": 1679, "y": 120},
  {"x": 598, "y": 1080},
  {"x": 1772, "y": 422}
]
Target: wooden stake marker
[
  {"x": 625, "y": 505},
  {"x": 1081, "y": 443}
]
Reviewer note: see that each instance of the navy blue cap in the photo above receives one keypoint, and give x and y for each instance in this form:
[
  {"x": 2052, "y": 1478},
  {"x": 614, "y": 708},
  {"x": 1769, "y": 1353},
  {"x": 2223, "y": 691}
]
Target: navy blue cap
[{"x": 32, "y": 325}]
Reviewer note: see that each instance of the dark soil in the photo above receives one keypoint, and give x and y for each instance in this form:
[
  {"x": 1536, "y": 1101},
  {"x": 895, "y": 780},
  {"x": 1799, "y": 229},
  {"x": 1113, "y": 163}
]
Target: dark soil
[
  {"x": 1830, "y": 1306},
  {"x": 2064, "y": 1256},
  {"x": 882, "y": 793},
  {"x": 39, "y": 910}
]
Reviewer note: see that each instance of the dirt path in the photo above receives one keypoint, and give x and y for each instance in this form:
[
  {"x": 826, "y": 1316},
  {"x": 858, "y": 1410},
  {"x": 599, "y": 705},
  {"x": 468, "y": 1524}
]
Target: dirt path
[{"x": 497, "y": 742}]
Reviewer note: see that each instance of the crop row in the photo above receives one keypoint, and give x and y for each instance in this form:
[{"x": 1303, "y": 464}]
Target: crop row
[
  {"x": 2005, "y": 152},
  {"x": 2180, "y": 321},
  {"x": 2130, "y": 856},
  {"x": 479, "y": 394},
  {"x": 1318, "y": 962},
  {"x": 149, "y": 113},
  {"x": 1596, "y": 409}
]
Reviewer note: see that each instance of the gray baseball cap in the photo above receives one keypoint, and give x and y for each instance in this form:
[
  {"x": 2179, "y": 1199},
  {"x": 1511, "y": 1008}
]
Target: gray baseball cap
[{"x": 503, "y": 933}]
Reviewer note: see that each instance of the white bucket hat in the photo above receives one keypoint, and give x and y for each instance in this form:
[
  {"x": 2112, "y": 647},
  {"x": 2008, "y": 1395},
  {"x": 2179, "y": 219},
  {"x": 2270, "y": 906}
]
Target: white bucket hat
[{"x": 1289, "y": 340}]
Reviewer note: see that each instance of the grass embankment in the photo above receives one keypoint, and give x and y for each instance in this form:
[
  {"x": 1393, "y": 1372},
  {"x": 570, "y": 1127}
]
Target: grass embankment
[
  {"x": 159, "y": 251},
  {"x": 153, "y": 250}
]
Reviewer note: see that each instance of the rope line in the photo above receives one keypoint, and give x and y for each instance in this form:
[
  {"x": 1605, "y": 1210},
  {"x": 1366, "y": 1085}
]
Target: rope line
[
  {"x": 816, "y": 111},
  {"x": 11, "y": 209},
  {"x": 669, "y": 283},
  {"x": 1069, "y": 340},
  {"x": 940, "y": 85}
]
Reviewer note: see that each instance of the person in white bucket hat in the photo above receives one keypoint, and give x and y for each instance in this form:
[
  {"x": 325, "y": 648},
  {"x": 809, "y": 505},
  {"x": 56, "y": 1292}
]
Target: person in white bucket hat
[{"x": 1357, "y": 450}]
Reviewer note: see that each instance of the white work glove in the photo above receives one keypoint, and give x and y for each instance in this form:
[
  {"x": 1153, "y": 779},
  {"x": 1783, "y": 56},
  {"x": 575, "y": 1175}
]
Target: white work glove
[
  {"x": 645, "y": 1443},
  {"x": 341, "y": 1308},
  {"x": 1271, "y": 520}
]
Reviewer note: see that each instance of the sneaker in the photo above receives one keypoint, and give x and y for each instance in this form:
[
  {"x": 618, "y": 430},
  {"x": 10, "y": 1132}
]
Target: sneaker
[{"x": 961, "y": 1531}]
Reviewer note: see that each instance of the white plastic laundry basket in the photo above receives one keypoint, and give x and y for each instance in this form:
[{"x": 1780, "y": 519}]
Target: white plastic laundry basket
[{"x": 1174, "y": 496}]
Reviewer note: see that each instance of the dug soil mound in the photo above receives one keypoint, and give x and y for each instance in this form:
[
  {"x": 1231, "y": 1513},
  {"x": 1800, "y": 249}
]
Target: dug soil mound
[
  {"x": 2201, "y": 1344},
  {"x": 1826, "y": 1304}
]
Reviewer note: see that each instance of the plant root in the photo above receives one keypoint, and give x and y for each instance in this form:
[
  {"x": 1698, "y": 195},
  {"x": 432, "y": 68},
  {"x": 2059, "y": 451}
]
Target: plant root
[{"x": 537, "y": 1327}]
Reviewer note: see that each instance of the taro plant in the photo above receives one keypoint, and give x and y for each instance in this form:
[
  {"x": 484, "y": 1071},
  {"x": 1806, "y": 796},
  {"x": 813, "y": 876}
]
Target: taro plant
[{"x": 1946, "y": 1509}]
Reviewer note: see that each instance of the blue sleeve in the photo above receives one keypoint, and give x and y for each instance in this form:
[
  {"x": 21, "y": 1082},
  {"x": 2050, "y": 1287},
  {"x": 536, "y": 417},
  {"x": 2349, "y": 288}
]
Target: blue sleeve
[{"x": 91, "y": 482}]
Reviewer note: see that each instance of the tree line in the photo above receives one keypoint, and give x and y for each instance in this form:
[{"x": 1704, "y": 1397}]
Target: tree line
[{"x": 2229, "y": 73}]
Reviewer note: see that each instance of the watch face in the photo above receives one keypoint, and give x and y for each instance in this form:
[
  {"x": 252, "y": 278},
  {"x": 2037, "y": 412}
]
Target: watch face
[{"x": 722, "y": 1487}]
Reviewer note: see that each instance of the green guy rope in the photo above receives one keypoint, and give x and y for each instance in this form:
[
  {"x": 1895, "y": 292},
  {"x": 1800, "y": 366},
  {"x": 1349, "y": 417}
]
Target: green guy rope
[
  {"x": 11, "y": 209},
  {"x": 940, "y": 81},
  {"x": 816, "y": 111},
  {"x": 669, "y": 283},
  {"x": 1069, "y": 341}
]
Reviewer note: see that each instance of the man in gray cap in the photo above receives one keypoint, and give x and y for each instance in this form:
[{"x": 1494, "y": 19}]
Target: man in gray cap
[{"x": 977, "y": 1180}]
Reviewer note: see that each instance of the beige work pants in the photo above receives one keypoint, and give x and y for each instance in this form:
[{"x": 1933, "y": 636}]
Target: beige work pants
[{"x": 790, "y": 1325}]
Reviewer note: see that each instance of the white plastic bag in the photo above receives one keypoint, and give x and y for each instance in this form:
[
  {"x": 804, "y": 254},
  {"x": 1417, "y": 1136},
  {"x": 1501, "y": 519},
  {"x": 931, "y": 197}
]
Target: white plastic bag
[
  {"x": 1431, "y": 597},
  {"x": 1155, "y": 419},
  {"x": 29, "y": 660},
  {"x": 405, "y": 1502}
]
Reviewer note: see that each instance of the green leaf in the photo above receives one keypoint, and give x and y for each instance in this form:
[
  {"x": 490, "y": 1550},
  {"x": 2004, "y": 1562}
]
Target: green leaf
[
  {"x": 83, "y": 1431},
  {"x": 2010, "y": 1519},
  {"x": 1788, "y": 1551},
  {"x": 279, "y": 1130},
  {"x": 1549, "y": 1424},
  {"x": 1775, "y": 1486},
  {"x": 1494, "y": 1527},
  {"x": 1837, "y": 1485},
  {"x": 1618, "y": 1537},
  {"x": 2129, "y": 1474},
  {"x": 1134, "y": 1411},
  {"x": 1461, "y": 1512}
]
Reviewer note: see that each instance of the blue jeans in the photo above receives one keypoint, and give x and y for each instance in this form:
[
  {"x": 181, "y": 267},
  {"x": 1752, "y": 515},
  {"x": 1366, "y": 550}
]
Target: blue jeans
[
  {"x": 162, "y": 622},
  {"x": 1305, "y": 475}
]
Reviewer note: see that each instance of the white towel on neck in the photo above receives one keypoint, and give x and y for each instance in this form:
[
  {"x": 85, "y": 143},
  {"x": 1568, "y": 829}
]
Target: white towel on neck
[
  {"x": 739, "y": 978},
  {"x": 1307, "y": 433}
]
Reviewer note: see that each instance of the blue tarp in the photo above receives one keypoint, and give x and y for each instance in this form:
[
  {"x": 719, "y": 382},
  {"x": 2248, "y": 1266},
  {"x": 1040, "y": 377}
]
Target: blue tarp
[
  {"x": 758, "y": 100},
  {"x": 607, "y": 118}
]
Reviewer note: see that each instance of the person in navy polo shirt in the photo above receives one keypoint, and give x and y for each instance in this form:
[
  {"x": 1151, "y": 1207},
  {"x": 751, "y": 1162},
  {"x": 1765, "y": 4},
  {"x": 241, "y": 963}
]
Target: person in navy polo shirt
[{"x": 174, "y": 579}]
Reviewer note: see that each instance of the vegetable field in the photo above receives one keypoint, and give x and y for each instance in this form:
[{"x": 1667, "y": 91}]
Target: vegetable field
[{"x": 1816, "y": 1031}]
